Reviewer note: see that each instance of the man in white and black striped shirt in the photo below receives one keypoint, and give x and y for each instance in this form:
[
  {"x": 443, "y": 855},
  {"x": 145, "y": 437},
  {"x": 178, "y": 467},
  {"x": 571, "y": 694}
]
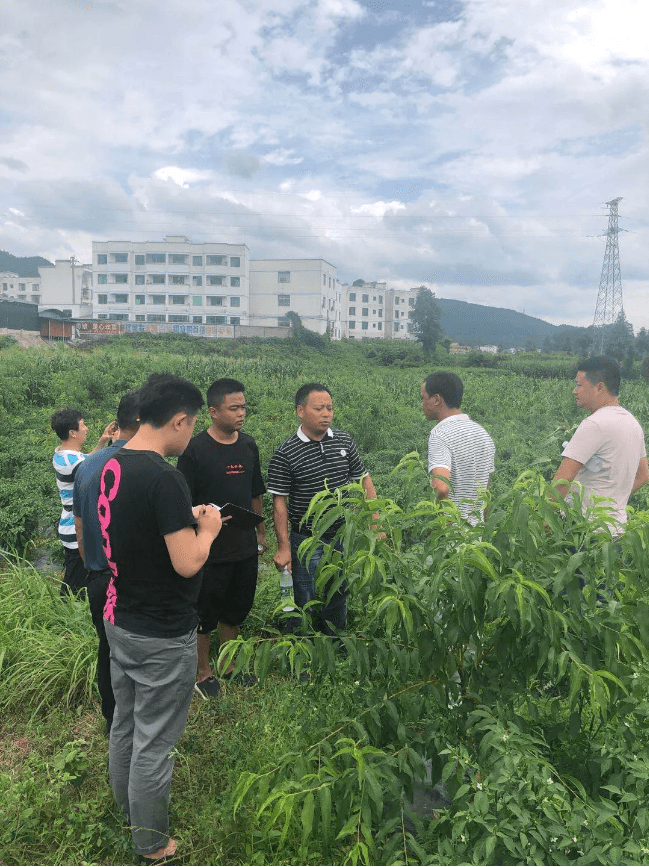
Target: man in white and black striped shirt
[
  {"x": 298, "y": 470},
  {"x": 460, "y": 451}
]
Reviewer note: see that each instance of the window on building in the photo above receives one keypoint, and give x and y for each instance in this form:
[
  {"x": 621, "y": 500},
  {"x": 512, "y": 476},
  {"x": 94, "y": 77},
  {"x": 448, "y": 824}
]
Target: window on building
[
  {"x": 139, "y": 259},
  {"x": 215, "y": 320},
  {"x": 177, "y": 299},
  {"x": 178, "y": 279},
  {"x": 22, "y": 287},
  {"x": 380, "y": 299},
  {"x": 235, "y": 261},
  {"x": 4, "y": 287},
  {"x": 158, "y": 299},
  {"x": 330, "y": 282},
  {"x": 101, "y": 279},
  {"x": 102, "y": 258},
  {"x": 374, "y": 312},
  {"x": 197, "y": 320},
  {"x": 283, "y": 276},
  {"x": 140, "y": 299},
  {"x": 215, "y": 301},
  {"x": 120, "y": 257},
  {"x": 197, "y": 260},
  {"x": 324, "y": 279},
  {"x": 139, "y": 279},
  {"x": 352, "y": 296},
  {"x": 215, "y": 281},
  {"x": 197, "y": 300},
  {"x": 235, "y": 301},
  {"x": 235, "y": 320},
  {"x": 364, "y": 326},
  {"x": 283, "y": 322},
  {"x": 365, "y": 311},
  {"x": 102, "y": 299},
  {"x": 121, "y": 278},
  {"x": 178, "y": 258},
  {"x": 380, "y": 312},
  {"x": 140, "y": 317},
  {"x": 103, "y": 316},
  {"x": 197, "y": 280},
  {"x": 366, "y": 299},
  {"x": 380, "y": 326},
  {"x": 120, "y": 298},
  {"x": 36, "y": 299},
  {"x": 352, "y": 324},
  {"x": 158, "y": 279},
  {"x": 156, "y": 317},
  {"x": 178, "y": 317},
  {"x": 352, "y": 311},
  {"x": 156, "y": 258},
  {"x": 283, "y": 300},
  {"x": 374, "y": 325},
  {"x": 120, "y": 317},
  {"x": 216, "y": 260},
  {"x": 411, "y": 302},
  {"x": 235, "y": 281}
]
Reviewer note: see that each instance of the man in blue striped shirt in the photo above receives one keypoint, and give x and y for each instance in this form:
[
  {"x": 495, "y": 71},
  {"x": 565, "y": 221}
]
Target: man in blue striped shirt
[{"x": 70, "y": 428}]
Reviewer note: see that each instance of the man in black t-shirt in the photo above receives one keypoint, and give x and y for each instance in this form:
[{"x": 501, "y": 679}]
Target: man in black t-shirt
[
  {"x": 222, "y": 466},
  {"x": 155, "y": 545}
]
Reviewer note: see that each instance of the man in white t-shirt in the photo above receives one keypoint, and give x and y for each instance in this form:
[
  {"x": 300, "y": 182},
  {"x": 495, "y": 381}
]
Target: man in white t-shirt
[
  {"x": 607, "y": 452},
  {"x": 460, "y": 451}
]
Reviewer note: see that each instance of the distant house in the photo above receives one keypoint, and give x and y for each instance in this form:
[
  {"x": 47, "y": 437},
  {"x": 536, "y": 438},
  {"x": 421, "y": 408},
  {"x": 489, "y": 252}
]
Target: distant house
[{"x": 492, "y": 349}]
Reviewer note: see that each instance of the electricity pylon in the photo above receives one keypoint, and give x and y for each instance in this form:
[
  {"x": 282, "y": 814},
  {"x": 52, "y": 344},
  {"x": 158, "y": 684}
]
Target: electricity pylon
[{"x": 609, "y": 297}]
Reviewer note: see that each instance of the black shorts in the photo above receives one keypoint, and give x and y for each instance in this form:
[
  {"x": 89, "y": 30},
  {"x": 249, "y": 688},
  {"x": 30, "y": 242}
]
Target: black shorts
[{"x": 227, "y": 593}]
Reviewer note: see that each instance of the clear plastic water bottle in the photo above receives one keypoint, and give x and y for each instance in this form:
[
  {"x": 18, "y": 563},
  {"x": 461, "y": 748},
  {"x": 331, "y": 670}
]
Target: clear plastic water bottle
[{"x": 286, "y": 590}]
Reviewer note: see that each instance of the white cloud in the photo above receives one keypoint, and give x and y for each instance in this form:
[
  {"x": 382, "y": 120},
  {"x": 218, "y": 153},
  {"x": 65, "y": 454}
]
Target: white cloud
[{"x": 472, "y": 153}]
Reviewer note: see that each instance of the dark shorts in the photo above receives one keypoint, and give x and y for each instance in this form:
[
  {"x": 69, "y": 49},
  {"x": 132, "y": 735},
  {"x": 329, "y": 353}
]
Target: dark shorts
[{"x": 227, "y": 593}]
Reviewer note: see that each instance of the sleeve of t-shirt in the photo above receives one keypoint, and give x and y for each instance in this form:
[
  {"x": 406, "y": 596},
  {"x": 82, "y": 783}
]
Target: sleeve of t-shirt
[
  {"x": 439, "y": 454},
  {"x": 258, "y": 487},
  {"x": 279, "y": 475},
  {"x": 187, "y": 466},
  {"x": 585, "y": 441},
  {"x": 173, "y": 503},
  {"x": 356, "y": 465}
]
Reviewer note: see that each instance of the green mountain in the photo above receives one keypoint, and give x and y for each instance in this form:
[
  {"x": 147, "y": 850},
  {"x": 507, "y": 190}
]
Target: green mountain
[
  {"x": 476, "y": 325},
  {"x": 24, "y": 266}
]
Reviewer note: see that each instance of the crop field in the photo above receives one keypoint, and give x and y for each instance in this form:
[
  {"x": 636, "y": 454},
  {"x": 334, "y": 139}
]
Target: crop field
[{"x": 507, "y": 663}]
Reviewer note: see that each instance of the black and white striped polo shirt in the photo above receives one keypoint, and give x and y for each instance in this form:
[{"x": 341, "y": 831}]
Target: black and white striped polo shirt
[{"x": 300, "y": 466}]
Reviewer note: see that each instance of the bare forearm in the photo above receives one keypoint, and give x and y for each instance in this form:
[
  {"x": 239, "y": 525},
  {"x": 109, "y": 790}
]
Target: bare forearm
[
  {"x": 641, "y": 476},
  {"x": 280, "y": 520},
  {"x": 78, "y": 529}
]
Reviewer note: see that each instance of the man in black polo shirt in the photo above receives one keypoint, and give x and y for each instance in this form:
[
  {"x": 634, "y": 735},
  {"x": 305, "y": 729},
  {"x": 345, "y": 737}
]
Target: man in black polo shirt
[
  {"x": 222, "y": 466},
  {"x": 298, "y": 470}
]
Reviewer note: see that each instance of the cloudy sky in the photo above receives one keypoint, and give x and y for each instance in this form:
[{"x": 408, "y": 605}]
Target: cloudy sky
[{"x": 470, "y": 145}]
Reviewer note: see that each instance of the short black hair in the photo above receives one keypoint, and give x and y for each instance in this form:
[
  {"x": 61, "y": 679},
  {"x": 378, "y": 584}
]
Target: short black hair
[
  {"x": 65, "y": 420},
  {"x": 602, "y": 368},
  {"x": 128, "y": 411},
  {"x": 447, "y": 385},
  {"x": 305, "y": 390},
  {"x": 221, "y": 388},
  {"x": 163, "y": 395}
]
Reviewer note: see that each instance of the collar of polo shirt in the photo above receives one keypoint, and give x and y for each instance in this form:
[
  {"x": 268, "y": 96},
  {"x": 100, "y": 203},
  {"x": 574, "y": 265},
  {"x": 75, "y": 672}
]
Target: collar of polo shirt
[{"x": 306, "y": 439}]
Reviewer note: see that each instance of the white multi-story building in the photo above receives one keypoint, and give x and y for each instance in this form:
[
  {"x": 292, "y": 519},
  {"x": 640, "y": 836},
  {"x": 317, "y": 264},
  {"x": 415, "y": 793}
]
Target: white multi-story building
[
  {"x": 308, "y": 287},
  {"x": 171, "y": 281},
  {"x": 373, "y": 310},
  {"x": 66, "y": 286},
  {"x": 399, "y": 309},
  {"x": 13, "y": 287}
]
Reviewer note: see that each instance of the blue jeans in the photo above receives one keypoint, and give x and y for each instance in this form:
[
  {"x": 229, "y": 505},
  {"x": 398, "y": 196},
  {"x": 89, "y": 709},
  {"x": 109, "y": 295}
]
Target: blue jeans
[{"x": 332, "y": 613}]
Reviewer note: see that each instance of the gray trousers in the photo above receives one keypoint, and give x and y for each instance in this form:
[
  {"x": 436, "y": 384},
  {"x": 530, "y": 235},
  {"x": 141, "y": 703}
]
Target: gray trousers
[{"x": 153, "y": 681}]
